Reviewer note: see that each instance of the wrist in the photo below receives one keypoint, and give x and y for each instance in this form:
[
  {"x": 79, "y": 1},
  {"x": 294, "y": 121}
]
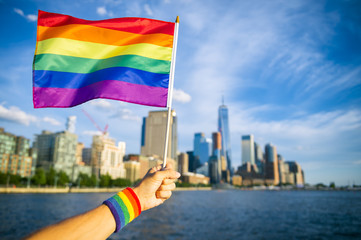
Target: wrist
[
  {"x": 136, "y": 191},
  {"x": 124, "y": 206}
]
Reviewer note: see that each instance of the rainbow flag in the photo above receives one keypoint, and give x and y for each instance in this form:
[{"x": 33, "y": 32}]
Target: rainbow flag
[{"x": 77, "y": 60}]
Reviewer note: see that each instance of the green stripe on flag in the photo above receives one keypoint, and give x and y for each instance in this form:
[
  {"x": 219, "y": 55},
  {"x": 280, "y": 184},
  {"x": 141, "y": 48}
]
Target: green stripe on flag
[{"x": 61, "y": 63}]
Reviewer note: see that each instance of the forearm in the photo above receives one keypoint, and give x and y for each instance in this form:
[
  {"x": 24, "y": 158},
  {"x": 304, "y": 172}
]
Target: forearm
[
  {"x": 117, "y": 211},
  {"x": 96, "y": 224}
]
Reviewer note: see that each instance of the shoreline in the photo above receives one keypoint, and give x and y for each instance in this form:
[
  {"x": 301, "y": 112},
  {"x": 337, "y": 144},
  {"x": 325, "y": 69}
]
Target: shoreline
[
  {"x": 24, "y": 190},
  {"x": 4, "y": 190}
]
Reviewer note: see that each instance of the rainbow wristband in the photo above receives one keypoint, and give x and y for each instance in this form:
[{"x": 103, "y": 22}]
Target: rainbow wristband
[{"x": 125, "y": 206}]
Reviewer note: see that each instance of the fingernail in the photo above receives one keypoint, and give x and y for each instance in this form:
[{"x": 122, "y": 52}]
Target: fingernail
[{"x": 178, "y": 174}]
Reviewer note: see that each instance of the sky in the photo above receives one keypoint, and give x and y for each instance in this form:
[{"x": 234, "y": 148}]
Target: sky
[{"x": 289, "y": 71}]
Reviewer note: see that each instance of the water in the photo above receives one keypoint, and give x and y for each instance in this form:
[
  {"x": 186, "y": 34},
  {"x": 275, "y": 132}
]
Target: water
[{"x": 202, "y": 215}]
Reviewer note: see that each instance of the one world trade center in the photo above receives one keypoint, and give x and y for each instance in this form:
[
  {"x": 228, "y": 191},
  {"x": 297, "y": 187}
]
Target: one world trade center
[{"x": 223, "y": 128}]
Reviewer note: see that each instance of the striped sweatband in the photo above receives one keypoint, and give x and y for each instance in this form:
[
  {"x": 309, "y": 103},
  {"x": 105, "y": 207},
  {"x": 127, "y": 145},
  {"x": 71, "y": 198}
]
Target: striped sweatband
[{"x": 125, "y": 206}]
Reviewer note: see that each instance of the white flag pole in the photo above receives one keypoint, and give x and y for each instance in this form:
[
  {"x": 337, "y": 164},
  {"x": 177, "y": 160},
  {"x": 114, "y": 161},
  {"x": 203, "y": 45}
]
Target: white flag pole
[{"x": 170, "y": 90}]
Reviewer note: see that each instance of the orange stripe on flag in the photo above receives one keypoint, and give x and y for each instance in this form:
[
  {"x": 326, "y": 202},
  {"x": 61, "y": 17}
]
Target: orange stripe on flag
[{"x": 93, "y": 34}]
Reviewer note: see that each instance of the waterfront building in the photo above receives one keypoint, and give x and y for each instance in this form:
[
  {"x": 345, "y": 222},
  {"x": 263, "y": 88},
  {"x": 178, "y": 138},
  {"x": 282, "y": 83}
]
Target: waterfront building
[
  {"x": 298, "y": 175},
  {"x": 259, "y": 158},
  {"x": 143, "y": 163},
  {"x": 202, "y": 147},
  {"x": 198, "y": 138},
  {"x": 153, "y": 134},
  {"x": 237, "y": 180},
  {"x": 214, "y": 170},
  {"x": 87, "y": 156},
  {"x": 80, "y": 169},
  {"x": 223, "y": 128},
  {"x": 283, "y": 169},
  {"x": 194, "y": 163},
  {"x": 271, "y": 163},
  {"x": 183, "y": 163},
  {"x": 79, "y": 154},
  {"x": 204, "y": 169},
  {"x": 132, "y": 169},
  {"x": 107, "y": 157},
  {"x": 15, "y": 155},
  {"x": 205, "y": 150},
  {"x": 194, "y": 178},
  {"x": 215, "y": 164},
  {"x": 248, "y": 151},
  {"x": 258, "y": 154},
  {"x": 57, "y": 150}
]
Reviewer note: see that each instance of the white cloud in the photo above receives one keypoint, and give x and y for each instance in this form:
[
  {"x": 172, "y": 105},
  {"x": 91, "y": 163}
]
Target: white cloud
[
  {"x": 358, "y": 162},
  {"x": 148, "y": 10},
  {"x": 52, "y": 121},
  {"x": 91, "y": 133},
  {"x": 321, "y": 136},
  {"x": 16, "y": 115},
  {"x": 30, "y": 17},
  {"x": 181, "y": 96},
  {"x": 19, "y": 11},
  {"x": 102, "y": 11},
  {"x": 101, "y": 104},
  {"x": 126, "y": 114}
]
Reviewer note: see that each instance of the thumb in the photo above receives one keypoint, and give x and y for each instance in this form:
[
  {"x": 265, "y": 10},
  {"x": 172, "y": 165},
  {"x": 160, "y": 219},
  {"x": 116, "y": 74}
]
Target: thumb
[{"x": 168, "y": 173}]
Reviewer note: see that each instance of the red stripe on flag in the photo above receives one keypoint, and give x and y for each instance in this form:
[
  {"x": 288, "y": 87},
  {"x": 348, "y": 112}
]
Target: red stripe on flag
[{"x": 133, "y": 25}]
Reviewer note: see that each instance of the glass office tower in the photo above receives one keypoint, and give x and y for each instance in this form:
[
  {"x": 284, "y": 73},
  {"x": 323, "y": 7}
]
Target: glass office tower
[{"x": 223, "y": 128}]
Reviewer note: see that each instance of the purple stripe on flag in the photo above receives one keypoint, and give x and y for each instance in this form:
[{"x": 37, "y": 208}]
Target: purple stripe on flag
[{"x": 109, "y": 89}]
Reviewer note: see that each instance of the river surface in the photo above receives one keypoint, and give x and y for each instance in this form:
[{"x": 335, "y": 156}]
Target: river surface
[{"x": 216, "y": 214}]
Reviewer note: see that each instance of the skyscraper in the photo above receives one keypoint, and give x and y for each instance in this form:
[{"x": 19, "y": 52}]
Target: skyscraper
[
  {"x": 272, "y": 163},
  {"x": 215, "y": 168},
  {"x": 198, "y": 138},
  {"x": 153, "y": 135},
  {"x": 205, "y": 150},
  {"x": 223, "y": 128},
  {"x": 259, "y": 159},
  {"x": 202, "y": 147},
  {"x": 248, "y": 149}
]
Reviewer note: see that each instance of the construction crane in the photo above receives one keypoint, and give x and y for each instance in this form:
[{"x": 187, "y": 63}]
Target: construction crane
[{"x": 95, "y": 124}]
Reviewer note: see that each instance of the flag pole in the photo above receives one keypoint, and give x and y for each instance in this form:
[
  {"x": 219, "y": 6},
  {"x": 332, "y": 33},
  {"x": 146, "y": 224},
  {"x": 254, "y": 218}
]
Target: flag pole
[{"x": 170, "y": 90}]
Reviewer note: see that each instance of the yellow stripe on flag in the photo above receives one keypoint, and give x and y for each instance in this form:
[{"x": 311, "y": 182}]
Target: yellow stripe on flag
[{"x": 75, "y": 48}]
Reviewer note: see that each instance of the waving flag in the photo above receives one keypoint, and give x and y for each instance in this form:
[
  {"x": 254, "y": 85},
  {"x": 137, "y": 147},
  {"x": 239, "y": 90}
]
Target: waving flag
[{"x": 125, "y": 59}]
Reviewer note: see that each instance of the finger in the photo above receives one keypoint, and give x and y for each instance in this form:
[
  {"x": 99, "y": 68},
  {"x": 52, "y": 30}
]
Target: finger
[
  {"x": 155, "y": 169},
  {"x": 163, "y": 194},
  {"x": 169, "y": 166},
  {"x": 168, "y": 187},
  {"x": 168, "y": 181},
  {"x": 171, "y": 174}
]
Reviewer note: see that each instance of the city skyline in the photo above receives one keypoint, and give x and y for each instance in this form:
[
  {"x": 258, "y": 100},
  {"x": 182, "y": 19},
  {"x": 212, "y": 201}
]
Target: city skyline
[{"x": 290, "y": 73}]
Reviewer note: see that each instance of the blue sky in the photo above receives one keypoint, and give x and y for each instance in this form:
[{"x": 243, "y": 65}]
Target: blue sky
[{"x": 290, "y": 73}]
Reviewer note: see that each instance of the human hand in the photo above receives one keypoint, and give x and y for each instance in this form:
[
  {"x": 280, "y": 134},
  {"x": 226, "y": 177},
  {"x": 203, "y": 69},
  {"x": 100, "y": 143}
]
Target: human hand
[{"x": 156, "y": 186}]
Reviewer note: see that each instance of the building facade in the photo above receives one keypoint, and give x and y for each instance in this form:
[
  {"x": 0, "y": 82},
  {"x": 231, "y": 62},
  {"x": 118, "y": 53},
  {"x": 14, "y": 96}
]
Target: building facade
[
  {"x": 57, "y": 150},
  {"x": 271, "y": 163},
  {"x": 107, "y": 157},
  {"x": 132, "y": 170},
  {"x": 15, "y": 157},
  {"x": 183, "y": 163},
  {"x": 153, "y": 134},
  {"x": 248, "y": 151},
  {"x": 223, "y": 128}
]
